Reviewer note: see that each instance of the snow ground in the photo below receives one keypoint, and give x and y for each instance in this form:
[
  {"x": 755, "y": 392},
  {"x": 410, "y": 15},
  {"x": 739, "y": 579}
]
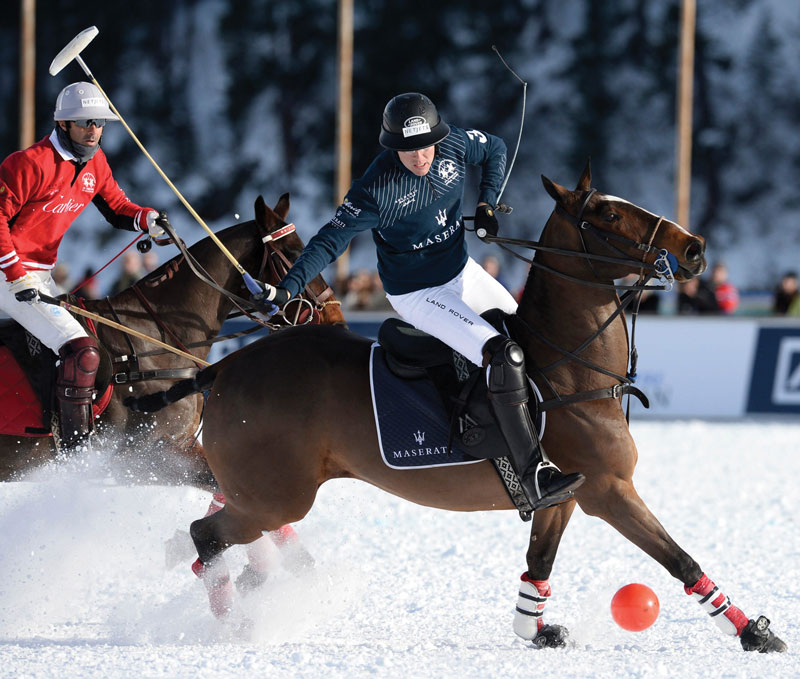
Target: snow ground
[{"x": 405, "y": 591}]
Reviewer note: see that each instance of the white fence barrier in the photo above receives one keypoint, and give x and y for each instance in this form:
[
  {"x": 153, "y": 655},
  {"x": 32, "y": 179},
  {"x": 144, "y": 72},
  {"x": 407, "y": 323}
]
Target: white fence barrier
[{"x": 688, "y": 366}]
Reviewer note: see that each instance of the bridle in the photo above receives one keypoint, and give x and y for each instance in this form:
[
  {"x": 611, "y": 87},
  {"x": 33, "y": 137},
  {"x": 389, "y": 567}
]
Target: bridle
[
  {"x": 663, "y": 267},
  {"x": 309, "y": 305}
]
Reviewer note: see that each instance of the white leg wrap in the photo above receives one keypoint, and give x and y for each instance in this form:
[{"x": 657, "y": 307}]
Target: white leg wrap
[
  {"x": 713, "y": 601},
  {"x": 533, "y": 595},
  {"x": 715, "y": 604}
]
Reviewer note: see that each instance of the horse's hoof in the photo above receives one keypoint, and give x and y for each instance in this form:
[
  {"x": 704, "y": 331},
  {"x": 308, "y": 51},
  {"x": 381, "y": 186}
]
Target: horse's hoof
[
  {"x": 757, "y": 636},
  {"x": 551, "y": 636},
  {"x": 178, "y": 548},
  {"x": 250, "y": 579}
]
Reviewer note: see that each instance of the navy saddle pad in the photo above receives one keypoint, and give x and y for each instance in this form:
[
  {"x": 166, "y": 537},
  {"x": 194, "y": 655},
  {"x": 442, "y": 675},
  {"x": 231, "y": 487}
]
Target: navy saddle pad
[{"x": 431, "y": 404}]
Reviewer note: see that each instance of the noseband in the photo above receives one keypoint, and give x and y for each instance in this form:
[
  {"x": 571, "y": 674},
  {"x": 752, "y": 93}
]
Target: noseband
[{"x": 664, "y": 266}]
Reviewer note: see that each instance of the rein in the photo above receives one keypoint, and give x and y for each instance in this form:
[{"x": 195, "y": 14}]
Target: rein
[
  {"x": 664, "y": 267},
  {"x": 278, "y": 264}
]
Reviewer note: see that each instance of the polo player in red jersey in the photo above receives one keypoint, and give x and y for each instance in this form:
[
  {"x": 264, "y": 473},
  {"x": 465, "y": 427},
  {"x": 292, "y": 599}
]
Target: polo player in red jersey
[{"x": 42, "y": 190}]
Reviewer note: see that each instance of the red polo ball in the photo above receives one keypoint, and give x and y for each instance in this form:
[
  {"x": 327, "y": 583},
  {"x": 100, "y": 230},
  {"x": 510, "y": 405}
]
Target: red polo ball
[{"x": 635, "y": 607}]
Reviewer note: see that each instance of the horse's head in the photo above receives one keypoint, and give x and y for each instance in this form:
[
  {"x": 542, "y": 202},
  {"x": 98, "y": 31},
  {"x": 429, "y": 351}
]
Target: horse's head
[
  {"x": 612, "y": 227},
  {"x": 283, "y": 248},
  {"x": 272, "y": 222}
]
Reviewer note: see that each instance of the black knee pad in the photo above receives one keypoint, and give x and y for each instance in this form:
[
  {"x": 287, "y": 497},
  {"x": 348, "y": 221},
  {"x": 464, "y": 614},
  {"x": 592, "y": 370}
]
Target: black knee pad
[{"x": 505, "y": 372}]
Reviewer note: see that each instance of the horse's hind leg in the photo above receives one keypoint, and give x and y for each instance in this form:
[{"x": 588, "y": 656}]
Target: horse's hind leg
[
  {"x": 623, "y": 509},
  {"x": 262, "y": 554},
  {"x": 212, "y": 535}
]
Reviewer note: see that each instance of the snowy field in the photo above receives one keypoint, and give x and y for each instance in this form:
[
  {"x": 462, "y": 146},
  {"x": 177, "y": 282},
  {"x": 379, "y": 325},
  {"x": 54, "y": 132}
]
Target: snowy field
[{"x": 404, "y": 591}]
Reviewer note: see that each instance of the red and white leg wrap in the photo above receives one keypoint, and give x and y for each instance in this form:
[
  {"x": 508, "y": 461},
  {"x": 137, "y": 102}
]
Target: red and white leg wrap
[
  {"x": 728, "y": 617},
  {"x": 533, "y": 595},
  {"x": 217, "y": 579},
  {"x": 217, "y": 503},
  {"x": 285, "y": 535}
]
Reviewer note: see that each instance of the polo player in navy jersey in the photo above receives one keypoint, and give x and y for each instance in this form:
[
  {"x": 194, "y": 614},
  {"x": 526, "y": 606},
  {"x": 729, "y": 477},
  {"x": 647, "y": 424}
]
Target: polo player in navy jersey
[{"x": 411, "y": 198}]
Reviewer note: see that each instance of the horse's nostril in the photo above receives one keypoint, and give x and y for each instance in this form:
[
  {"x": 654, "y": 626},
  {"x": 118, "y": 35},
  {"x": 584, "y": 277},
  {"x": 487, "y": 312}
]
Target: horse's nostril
[{"x": 694, "y": 252}]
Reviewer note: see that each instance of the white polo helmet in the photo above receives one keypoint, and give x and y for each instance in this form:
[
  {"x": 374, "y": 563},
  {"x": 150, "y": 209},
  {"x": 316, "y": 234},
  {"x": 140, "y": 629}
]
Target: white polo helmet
[{"x": 82, "y": 101}]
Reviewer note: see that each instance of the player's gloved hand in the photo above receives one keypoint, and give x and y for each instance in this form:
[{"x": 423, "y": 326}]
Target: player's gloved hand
[
  {"x": 155, "y": 223},
  {"x": 24, "y": 289},
  {"x": 271, "y": 298},
  {"x": 485, "y": 221}
]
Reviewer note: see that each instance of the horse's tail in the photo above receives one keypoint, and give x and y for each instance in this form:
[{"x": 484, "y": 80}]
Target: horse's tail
[{"x": 150, "y": 403}]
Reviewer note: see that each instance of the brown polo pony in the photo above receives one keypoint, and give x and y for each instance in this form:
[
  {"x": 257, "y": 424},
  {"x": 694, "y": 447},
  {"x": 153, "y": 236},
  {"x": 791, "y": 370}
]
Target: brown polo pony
[
  {"x": 293, "y": 410},
  {"x": 174, "y": 305}
]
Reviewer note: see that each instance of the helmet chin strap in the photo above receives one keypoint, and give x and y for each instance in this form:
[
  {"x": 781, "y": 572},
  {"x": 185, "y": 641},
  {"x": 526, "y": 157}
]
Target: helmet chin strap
[{"x": 82, "y": 153}]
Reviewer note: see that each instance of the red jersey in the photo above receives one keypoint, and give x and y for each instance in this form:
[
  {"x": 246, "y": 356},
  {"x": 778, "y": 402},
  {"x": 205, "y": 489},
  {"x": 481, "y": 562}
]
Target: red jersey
[
  {"x": 727, "y": 297},
  {"x": 42, "y": 191}
]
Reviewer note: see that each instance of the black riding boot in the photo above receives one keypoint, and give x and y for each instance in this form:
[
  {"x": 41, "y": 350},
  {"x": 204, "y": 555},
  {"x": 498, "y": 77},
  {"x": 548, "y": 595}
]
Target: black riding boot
[
  {"x": 543, "y": 482},
  {"x": 74, "y": 387}
]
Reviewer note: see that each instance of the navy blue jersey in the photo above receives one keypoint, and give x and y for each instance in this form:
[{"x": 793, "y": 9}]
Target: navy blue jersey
[{"x": 416, "y": 221}]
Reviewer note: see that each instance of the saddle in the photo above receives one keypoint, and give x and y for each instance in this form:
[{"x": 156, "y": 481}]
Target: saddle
[
  {"x": 412, "y": 354},
  {"x": 432, "y": 407},
  {"x": 27, "y": 378}
]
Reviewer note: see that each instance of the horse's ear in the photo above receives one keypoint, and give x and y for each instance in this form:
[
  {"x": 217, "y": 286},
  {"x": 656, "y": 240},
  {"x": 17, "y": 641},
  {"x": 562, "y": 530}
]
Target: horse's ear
[
  {"x": 282, "y": 207},
  {"x": 585, "y": 182},
  {"x": 558, "y": 193},
  {"x": 261, "y": 212}
]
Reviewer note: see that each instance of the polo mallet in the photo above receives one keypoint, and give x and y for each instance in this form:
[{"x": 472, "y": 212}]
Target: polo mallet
[
  {"x": 118, "y": 326},
  {"x": 72, "y": 52}
]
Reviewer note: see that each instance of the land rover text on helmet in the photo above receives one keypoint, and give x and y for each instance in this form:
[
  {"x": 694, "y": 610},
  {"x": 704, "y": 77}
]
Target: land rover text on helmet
[
  {"x": 410, "y": 123},
  {"x": 82, "y": 101}
]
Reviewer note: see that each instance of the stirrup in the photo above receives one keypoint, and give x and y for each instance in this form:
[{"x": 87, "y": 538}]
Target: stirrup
[{"x": 562, "y": 493}]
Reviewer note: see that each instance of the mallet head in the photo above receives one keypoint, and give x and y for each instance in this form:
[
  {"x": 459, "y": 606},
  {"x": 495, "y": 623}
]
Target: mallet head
[{"x": 71, "y": 51}]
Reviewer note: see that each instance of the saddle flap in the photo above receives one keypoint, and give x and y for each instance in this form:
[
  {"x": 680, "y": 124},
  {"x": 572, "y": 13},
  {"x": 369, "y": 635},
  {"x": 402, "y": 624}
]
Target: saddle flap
[
  {"x": 28, "y": 374},
  {"x": 20, "y": 407}
]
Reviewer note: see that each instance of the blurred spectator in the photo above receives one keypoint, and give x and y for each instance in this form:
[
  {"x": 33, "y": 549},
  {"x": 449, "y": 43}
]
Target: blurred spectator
[
  {"x": 650, "y": 299},
  {"x": 726, "y": 293},
  {"x": 358, "y": 295},
  {"x": 491, "y": 265},
  {"x": 89, "y": 289},
  {"x": 61, "y": 277},
  {"x": 378, "y": 301},
  {"x": 697, "y": 297},
  {"x": 364, "y": 292},
  {"x": 357, "y": 291},
  {"x": 150, "y": 261},
  {"x": 785, "y": 293},
  {"x": 520, "y": 290},
  {"x": 132, "y": 271}
]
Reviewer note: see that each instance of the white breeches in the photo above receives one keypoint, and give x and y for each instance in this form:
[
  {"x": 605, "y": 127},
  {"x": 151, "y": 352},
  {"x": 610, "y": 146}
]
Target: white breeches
[
  {"x": 51, "y": 324},
  {"x": 451, "y": 312}
]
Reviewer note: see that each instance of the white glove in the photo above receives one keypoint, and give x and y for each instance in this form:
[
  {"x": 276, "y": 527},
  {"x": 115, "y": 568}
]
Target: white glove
[
  {"x": 25, "y": 289},
  {"x": 154, "y": 230}
]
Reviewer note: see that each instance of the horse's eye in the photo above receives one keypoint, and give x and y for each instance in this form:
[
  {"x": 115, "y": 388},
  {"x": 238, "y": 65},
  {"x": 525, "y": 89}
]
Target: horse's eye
[{"x": 611, "y": 217}]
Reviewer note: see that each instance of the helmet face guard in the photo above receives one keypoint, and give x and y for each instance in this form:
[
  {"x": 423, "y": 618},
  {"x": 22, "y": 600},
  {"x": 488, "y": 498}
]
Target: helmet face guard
[
  {"x": 82, "y": 101},
  {"x": 410, "y": 123}
]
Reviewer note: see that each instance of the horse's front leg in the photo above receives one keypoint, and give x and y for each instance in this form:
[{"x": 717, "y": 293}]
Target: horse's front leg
[
  {"x": 616, "y": 501},
  {"x": 546, "y": 531}
]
